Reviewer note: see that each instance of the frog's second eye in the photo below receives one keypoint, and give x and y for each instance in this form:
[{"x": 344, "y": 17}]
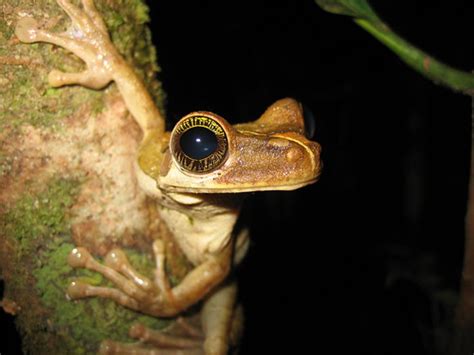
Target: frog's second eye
[
  {"x": 309, "y": 122},
  {"x": 199, "y": 144}
]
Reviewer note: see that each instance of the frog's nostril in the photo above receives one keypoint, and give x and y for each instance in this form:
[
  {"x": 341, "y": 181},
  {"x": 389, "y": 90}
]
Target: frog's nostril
[{"x": 278, "y": 142}]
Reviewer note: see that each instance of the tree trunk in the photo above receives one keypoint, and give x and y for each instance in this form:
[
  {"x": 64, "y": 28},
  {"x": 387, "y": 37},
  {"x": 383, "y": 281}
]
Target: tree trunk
[{"x": 66, "y": 179}]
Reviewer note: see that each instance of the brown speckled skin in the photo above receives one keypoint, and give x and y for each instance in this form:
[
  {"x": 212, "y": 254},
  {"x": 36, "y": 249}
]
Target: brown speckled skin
[{"x": 271, "y": 153}]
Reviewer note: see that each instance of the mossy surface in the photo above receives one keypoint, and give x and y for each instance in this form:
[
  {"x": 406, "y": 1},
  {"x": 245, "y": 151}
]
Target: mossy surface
[
  {"x": 37, "y": 216},
  {"x": 39, "y": 226},
  {"x": 127, "y": 23},
  {"x": 28, "y": 99},
  {"x": 35, "y": 222},
  {"x": 83, "y": 324}
]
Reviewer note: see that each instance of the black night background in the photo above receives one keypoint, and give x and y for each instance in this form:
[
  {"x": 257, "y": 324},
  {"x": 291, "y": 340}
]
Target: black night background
[{"x": 368, "y": 260}]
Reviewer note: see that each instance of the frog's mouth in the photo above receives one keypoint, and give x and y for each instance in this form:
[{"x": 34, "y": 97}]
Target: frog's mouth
[{"x": 238, "y": 189}]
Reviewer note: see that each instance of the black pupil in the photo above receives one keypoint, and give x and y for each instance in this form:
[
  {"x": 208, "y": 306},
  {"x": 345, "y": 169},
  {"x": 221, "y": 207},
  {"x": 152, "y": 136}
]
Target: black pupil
[{"x": 198, "y": 143}]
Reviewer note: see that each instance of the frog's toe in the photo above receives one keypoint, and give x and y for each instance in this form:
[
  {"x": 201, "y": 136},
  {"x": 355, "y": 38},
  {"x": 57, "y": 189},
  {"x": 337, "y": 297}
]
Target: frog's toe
[
  {"x": 27, "y": 30},
  {"x": 118, "y": 261},
  {"x": 57, "y": 78},
  {"x": 74, "y": 12},
  {"x": 79, "y": 257},
  {"x": 152, "y": 342},
  {"x": 94, "y": 15},
  {"x": 160, "y": 339},
  {"x": 77, "y": 289},
  {"x": 110, "y": 347}
]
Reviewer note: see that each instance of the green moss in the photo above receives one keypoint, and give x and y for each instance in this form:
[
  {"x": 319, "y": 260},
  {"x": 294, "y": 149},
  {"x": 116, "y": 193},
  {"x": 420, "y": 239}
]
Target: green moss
[
  {"x": 142, "y": 12},
  {"x": 27, "y": 98},
  {"x": 37, "y": 225},
  {"x": 36, "y": 219},
  {"x": 6, "y": 31},
  {"x": 24, "y": 90},
  {"x": 83, "y": 324},
  {"x": 126, "y": 21},
  {"x": 5, "y": 164},
  {"x": 38, "y": 216},
  {"x": 40, "y": 227}
]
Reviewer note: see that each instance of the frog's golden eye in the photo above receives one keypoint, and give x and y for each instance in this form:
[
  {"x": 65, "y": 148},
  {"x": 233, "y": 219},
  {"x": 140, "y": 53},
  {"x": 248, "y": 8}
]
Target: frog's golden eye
[{"x": 199, "y": 143}]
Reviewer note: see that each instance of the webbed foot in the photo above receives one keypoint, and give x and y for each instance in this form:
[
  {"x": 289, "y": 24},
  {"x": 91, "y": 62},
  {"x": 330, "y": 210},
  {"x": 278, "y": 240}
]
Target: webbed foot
[
  {"x": 134, "y": 290},
  {"x": 86, "y": 37}
]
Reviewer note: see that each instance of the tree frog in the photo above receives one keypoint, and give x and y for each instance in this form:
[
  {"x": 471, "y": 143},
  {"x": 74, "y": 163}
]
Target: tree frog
[{"x": 198, "y": 173}]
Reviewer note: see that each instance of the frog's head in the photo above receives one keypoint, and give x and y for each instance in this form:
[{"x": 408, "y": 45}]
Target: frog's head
[{"x": 208, "y": 155}]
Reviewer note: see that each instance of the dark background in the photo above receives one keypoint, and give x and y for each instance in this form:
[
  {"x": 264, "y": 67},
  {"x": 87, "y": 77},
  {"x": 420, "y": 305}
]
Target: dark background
[{"x": 366, "y": 261}]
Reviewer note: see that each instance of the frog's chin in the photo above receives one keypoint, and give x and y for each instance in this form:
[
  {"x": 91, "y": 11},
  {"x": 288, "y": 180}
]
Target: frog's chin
[{"x": 238, "y": 189}]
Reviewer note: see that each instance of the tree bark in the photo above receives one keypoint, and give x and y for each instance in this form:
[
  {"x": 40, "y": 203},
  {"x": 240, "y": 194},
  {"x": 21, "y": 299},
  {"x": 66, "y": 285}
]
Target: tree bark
[{"x": 66, "y": 179}]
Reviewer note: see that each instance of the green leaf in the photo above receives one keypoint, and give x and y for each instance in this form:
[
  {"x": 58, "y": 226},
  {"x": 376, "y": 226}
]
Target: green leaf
[
  {"x": 354, "y": 8},
  {"x": 425, "y": 64}
]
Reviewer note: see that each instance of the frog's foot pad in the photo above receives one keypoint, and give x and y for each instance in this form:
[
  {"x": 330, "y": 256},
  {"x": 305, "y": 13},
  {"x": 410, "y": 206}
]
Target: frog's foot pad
[
  {"x": 87, "y": 38},
  {"x": 133, "y": 290},
  {"x": 152, "y": 342}
]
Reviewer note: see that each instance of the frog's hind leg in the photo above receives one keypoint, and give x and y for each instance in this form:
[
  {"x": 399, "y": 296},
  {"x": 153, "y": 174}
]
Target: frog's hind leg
[
  {"x": 114, "y": 348},
  {"x": 221, "y": 320},
  {"x": 151, "y": 342},
  {"x": 221, "y": 323}
]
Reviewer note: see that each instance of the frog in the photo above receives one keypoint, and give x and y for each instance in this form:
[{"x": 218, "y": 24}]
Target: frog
[{"x": 199, "y": 174}]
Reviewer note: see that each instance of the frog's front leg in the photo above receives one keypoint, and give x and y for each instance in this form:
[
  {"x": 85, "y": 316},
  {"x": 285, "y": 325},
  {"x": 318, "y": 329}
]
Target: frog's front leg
[
  {"x": 157, "y": 298},
  {"x": 139, "y": 293},
  {"x": 87, "y": 38}
]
